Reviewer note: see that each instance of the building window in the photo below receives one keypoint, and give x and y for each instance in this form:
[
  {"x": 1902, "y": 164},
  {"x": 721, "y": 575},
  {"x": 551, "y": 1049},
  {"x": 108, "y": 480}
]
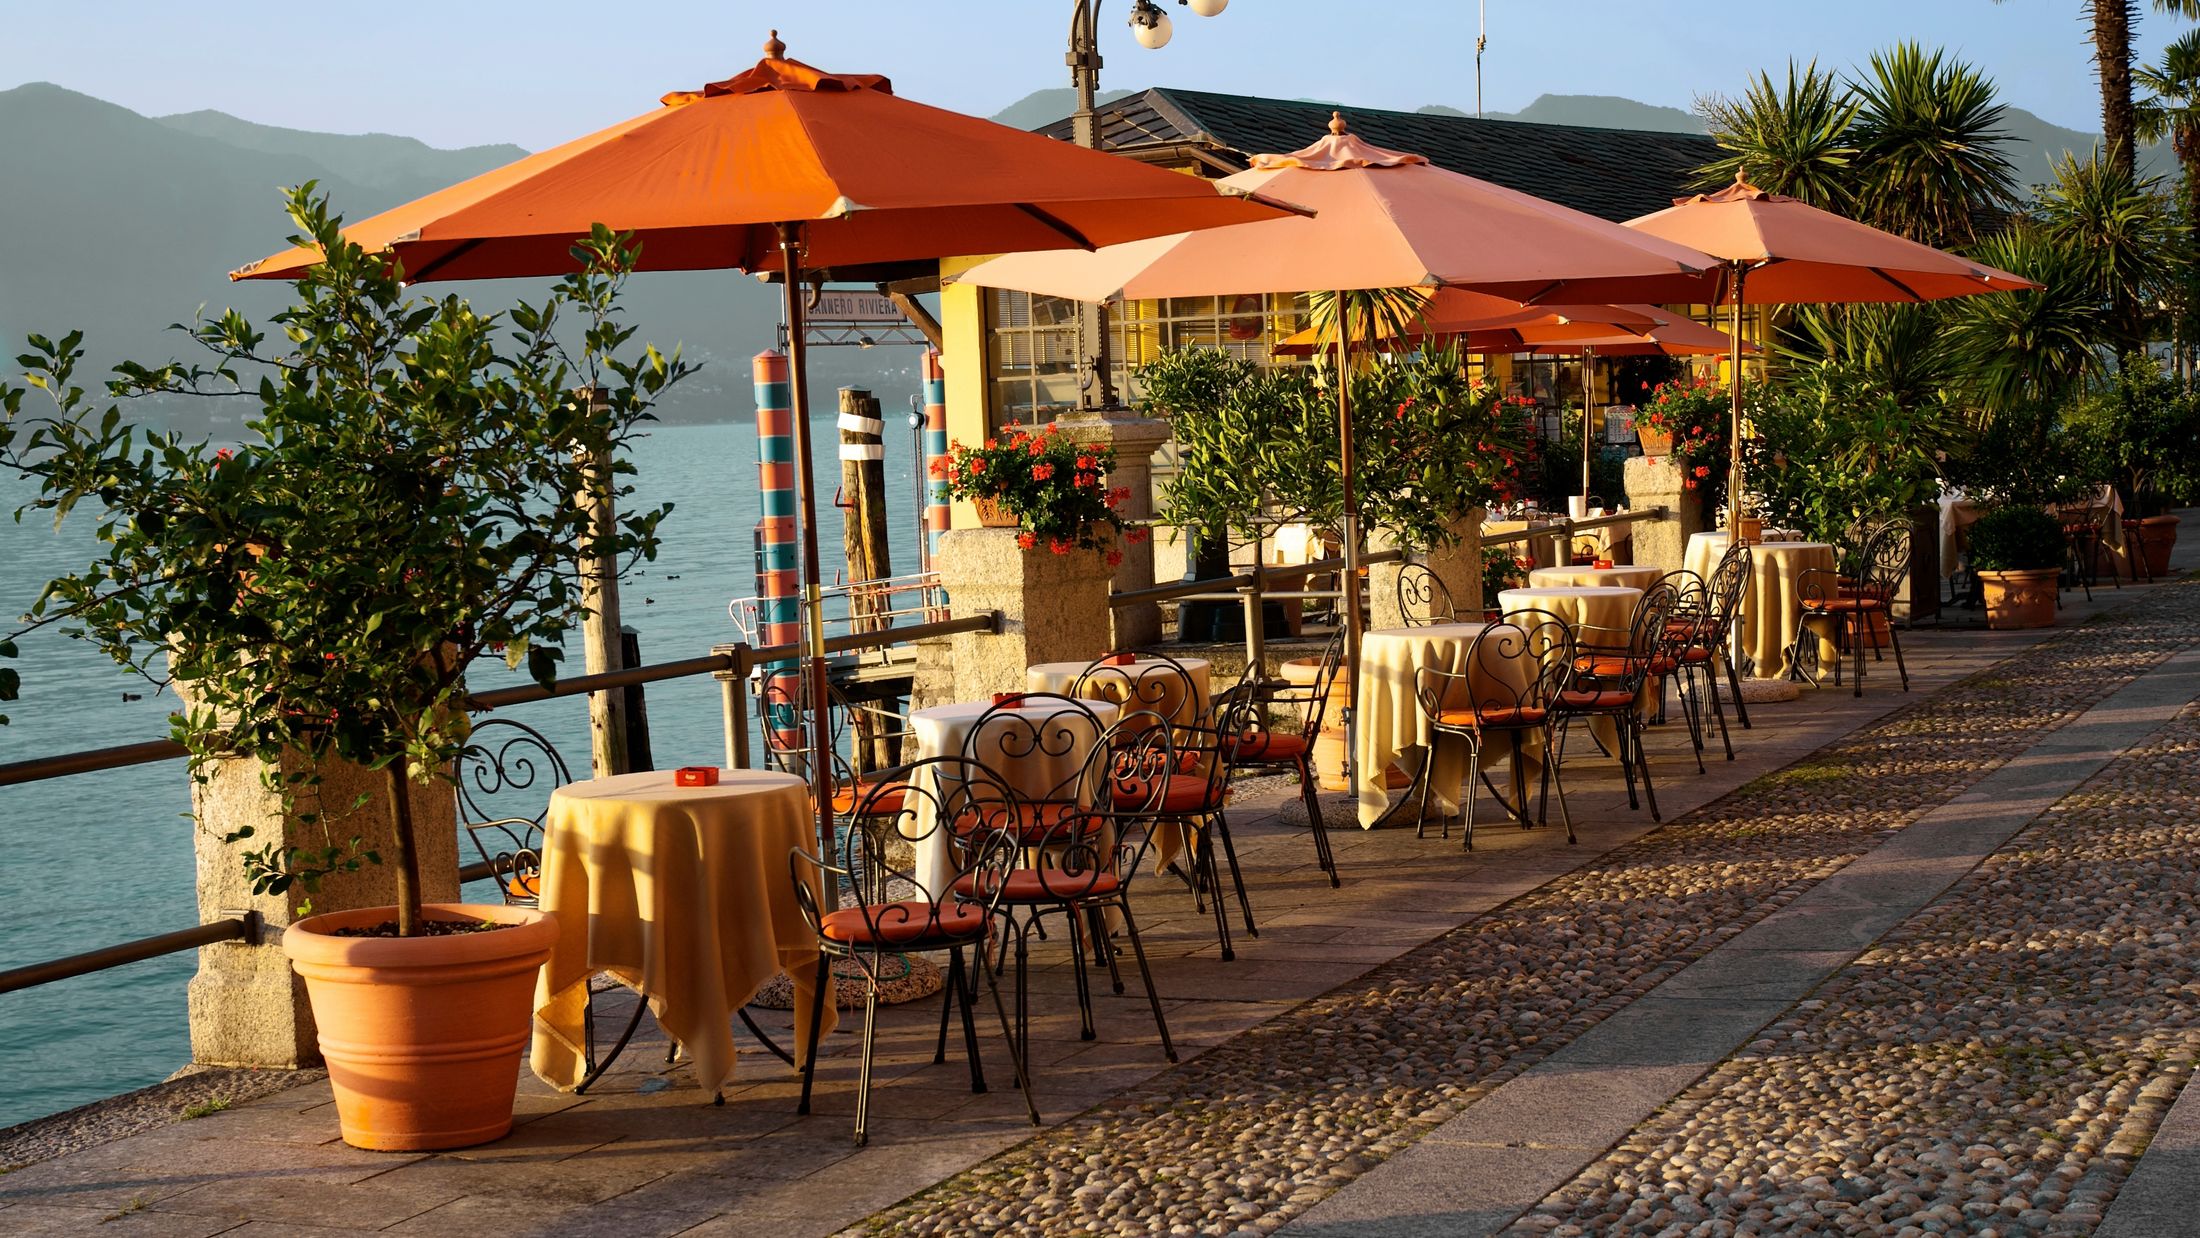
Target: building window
[{"x": 1032, "y": 343}]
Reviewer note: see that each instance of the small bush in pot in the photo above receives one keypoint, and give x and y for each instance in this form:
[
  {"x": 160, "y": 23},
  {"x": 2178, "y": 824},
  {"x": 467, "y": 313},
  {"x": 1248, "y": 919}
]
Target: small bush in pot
[
  {"x": 408, "y": 502},
  {"x": 2018, "y": 554}
]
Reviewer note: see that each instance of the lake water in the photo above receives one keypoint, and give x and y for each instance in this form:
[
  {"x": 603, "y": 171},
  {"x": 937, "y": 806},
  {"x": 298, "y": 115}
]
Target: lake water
[{"x": 98, "y": 859}]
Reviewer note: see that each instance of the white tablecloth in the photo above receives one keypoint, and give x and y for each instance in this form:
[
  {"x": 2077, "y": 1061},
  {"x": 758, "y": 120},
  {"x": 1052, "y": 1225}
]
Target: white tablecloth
[
  {"x": 1067, "y": 738},
  {"x": 1772, "y": 603}
]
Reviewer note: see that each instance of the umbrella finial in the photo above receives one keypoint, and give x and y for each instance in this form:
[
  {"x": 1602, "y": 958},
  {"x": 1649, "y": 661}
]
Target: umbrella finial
[
  {"x": 1336, "y": 123},
  {"x": 774, "y": 49}
]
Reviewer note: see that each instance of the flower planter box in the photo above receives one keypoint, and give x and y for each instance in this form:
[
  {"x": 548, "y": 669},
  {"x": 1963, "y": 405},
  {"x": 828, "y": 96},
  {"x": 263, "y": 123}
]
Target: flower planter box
[
  {"x": 2158, "y": 535},
  {"x": 2020, "y": 599},
  {"x": 993, "y": 514},
  {"x": 1654, "y": 442}
]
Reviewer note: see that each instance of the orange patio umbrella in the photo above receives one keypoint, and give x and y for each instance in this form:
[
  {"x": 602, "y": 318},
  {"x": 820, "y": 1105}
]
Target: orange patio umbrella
[
  {"x": 787, "y": 168},
  {"x": 1777, "y": 250},
  {"x": 1383, "y": 219}
]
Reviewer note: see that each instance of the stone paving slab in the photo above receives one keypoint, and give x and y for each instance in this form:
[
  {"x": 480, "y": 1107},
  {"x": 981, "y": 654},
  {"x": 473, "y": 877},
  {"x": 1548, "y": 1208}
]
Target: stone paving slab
[{"x": 1681, "y": 1026}]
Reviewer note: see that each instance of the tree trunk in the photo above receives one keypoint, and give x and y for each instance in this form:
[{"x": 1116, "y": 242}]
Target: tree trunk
[
  {"x": 2112, "y": 58},
  {"x": 408, "y": 863},
  {"x": 2187, "y": 143}
]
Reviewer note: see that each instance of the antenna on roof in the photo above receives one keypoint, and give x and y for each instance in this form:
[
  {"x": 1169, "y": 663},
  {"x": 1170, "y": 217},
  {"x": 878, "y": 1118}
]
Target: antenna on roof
[{"x": 1481, "y": 40}]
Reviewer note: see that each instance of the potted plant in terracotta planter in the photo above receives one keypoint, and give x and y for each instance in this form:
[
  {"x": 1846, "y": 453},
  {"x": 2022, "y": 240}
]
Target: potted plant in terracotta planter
[
  {"x": 1687, "y": 419},
  {"x": 1043, "y": 483},
  {"x": 405, "y": 504},
  {"x": 2146, "y": 424},
  {"x": 2018, "y": 554}
]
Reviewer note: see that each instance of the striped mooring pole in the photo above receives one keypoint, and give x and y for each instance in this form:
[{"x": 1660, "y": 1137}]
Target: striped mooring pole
[
  {"x": 935, "y": 448},
  {"x": 775, "y": 568}
]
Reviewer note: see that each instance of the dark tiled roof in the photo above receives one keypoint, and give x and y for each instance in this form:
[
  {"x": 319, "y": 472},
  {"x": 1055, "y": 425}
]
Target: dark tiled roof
[{"x": 1614, "y": 173}]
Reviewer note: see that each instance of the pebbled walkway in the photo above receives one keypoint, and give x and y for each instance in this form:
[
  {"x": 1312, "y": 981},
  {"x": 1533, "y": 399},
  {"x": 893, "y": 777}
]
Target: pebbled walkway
[
  {"x": 1994, "y": 1065},
  {"x": 1260, "y": 1129}
]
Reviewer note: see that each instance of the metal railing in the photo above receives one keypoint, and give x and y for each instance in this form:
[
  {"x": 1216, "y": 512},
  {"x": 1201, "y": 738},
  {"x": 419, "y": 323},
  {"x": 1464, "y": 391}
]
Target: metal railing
[
  {"x": 867, "y": 605},
  {"x": 731, "y": 664}
]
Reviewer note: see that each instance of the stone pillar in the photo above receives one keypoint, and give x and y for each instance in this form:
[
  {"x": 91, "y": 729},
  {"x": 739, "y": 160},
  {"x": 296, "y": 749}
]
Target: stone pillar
[
  {"x": 247, "y": 1007},
  {"x": 1054, "y": 609},
  {"x": 1652, "y": 482},
  {"x": 1458, "y": 565},
  {"x": 1134, "y": 439}
]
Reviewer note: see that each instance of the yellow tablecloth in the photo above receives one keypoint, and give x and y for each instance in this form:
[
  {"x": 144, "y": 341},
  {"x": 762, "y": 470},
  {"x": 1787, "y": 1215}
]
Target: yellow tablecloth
[
  {"x": 1066, "y": 738},
  {"x": 1772, "y": 603},
  {"x": 683, "y": 893},
  {"x": 1633, "y": 576},
  {"x": 1154, "y": 683},
  {"x": 1392, "y": 727},
  {"x": 1599, "y": 614}
]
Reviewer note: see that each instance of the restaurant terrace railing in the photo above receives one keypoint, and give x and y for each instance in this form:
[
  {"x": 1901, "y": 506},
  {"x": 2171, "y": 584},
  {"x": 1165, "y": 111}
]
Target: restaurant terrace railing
[{"x": 732, "y": 665}]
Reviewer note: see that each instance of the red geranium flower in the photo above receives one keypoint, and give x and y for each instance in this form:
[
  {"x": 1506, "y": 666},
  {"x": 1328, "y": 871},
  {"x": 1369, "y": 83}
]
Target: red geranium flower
[
  {"x": 1041, "y": 472},
  {"x": 1115, "y": 558},
  {"x": 1027, "y": 540},
  {"x": 1059, "y": 545},
  {"x": 1135, "y": 536}
]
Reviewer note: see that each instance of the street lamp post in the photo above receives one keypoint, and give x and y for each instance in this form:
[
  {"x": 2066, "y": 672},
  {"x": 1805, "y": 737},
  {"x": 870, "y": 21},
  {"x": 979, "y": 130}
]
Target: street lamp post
[{"x": 1151, "y": 26}]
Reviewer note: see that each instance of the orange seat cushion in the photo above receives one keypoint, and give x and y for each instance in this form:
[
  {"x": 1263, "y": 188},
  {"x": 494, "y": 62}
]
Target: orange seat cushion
[
  {"x": 1265, "y": 746},
  {"x": 1040, "y": 885},
  {"x": 1185, "y": 794},
  {"x": 1612, "y": 699},
  {"x": 1614, "y": 668},
  {"x": 524, "y": 884},
  {"x": 1035, "y": 823},
  {"x": 911, "y": 920},
  {"x": 1494, "y": 716},
  {"x": 1847, "y": 603},
  {"x": 1696, "y": 655},
  {"x": 887, "y": 802}
]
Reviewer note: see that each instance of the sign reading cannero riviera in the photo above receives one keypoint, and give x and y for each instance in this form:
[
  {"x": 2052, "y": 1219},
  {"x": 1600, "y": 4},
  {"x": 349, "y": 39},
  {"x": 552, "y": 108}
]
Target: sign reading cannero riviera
[{"x": 834, "y": 306}]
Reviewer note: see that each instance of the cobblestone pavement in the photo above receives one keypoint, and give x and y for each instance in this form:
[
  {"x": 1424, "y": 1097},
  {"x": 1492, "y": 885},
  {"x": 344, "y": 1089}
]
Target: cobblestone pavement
[
  {"x": 1257, "y": 1130},
  {"x": 1994, "y": 1066}
]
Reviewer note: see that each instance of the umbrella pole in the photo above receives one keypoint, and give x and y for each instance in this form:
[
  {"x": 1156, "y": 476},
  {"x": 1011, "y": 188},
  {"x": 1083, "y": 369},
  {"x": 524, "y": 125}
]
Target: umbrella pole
[
  {"x": 1588, "y": 416},
  {"x": 813, "y": 599},
  {"x": 1351, "y": 522},
  {"x": 1734, "y": 450}
]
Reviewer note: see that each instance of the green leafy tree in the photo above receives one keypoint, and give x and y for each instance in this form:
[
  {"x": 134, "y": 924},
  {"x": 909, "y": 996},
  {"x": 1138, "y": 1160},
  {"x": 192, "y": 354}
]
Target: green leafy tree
[
  {"x": 409, "y": 502},
  {"x": 1835, "y": 448},
  {"x": 2147, "y": 425}
]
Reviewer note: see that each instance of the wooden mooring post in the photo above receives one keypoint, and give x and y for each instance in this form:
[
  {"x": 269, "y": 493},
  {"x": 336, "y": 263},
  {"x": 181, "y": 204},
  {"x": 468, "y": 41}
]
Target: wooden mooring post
[{"x": 863, "y": 538}]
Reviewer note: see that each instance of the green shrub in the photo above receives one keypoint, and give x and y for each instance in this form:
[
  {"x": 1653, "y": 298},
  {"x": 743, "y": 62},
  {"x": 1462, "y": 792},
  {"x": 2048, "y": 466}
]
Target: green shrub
[{"x": 2016, "y": 539}]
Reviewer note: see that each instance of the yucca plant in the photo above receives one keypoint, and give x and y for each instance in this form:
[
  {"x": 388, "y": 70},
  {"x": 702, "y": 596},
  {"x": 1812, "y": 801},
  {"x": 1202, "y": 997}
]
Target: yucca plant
[
  {"x": 1793, "y": 139},
  {"x": 1929, "y": 139},
  {"x": 2036, "y": 345},
  {"x": 2123, "y": 228},
  {"x": 2171, "y": 112}
]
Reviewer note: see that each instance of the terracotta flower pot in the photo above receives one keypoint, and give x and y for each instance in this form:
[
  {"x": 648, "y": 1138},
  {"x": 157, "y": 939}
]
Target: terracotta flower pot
[
  {"x": 423, "y": 1035},
  {"x": 2019, "y": 599},
  {"x": 2160, "y": 537},
  {"x": 1654, "y": 442},
  {"x": 994, "y": 514}
]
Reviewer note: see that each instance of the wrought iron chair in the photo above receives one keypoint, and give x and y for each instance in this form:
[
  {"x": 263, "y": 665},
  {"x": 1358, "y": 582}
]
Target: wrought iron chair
[
  {"x": 1512, "y": 673},
  {"x": 1708, "y": 653},
  {"x": 1858, "y": 604},
  {"x": 1080, "y": 863},
  {"x": 1423, "y": 597},
  {"x": 1154, "y": 683},
  {"x": 503, "y": 757},
  {"x": 2081, "y": 524},
  {"x": 785, "y": 700},
  {"x": 1193, "y": 798},
  {"x": 1253, "y": 742},
  {"x": 1608, "y": 681},
  {"x": 878, "y": 925}
]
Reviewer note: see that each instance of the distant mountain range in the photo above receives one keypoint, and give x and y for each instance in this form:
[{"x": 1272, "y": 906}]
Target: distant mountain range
[{"x": 121, "y": 224}]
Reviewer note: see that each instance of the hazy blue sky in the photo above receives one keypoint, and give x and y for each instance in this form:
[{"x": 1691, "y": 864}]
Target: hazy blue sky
[{"x": 457, "y": 72}]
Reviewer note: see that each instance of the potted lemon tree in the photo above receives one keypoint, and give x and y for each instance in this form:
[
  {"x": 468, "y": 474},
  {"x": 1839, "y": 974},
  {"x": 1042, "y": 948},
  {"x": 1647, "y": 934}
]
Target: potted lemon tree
[{"x": 406, "y": 503}]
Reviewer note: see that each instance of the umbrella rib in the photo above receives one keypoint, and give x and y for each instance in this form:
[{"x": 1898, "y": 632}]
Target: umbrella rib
[
  {"x": 442, "y": 260},
  {"x": 1080, "y": 239},
  {"x": 1905, "y": 289}
]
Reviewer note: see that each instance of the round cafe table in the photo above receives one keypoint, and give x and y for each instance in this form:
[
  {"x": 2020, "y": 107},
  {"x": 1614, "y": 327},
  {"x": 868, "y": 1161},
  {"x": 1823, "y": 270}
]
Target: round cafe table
[
  {"x": 1624, "y": 576},
  {"x": 1392, "y": 727},
  {"x": 1154, "y": 682},
  {"x": 952, "y": 730},
  {"x": 1772, "y": 603},
  {"x": 682, "y": 893}
]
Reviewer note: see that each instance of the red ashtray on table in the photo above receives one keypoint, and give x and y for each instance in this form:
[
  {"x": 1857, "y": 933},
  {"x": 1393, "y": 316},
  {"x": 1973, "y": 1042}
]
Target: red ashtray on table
[
  {"x": 1120, "y": 659},
  {"x": 695, "y": 776},
  {"x": 1603, "y": 563},
  {"x": 1008, "y": 700}
]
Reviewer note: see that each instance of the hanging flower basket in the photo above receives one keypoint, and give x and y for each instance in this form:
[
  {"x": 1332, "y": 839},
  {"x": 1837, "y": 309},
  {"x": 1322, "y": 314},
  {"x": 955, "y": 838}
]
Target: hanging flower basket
[{"x": 1057, "y": 486}]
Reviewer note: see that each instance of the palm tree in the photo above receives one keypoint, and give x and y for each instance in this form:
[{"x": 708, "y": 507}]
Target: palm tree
[
  {"x": 1793, "y": 140},
  {"x": 1928, "y": 131},
  {"x": 2021, "y": 348},
  {"x": 2128, "y": 240},
  {"x": 2112, "y": 21},
  {"x": 2171, "y": 112}
]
